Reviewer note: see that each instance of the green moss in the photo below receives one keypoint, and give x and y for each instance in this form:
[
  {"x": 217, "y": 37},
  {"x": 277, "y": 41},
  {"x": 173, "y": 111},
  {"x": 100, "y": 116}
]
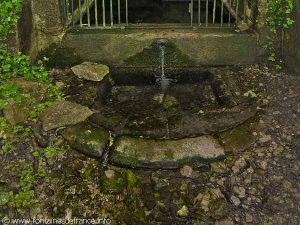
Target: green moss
[
  {"x": 151, "y": 56},
  {"x": 113, "y": 185},
  {"x": 60, "y": 57},
  {"x": 132, "y": 180},
  {"x": 119, "y": 158}
]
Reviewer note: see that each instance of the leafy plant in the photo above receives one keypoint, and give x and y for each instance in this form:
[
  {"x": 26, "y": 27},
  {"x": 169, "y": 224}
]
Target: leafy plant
[{"x": 278, "y": 19}]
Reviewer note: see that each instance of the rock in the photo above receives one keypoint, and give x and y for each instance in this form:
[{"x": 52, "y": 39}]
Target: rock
[
  {"x": 186, "y": 171},
  {"x": 265, "y": 138},
  {"x": 235, "y": 200},
  {"x": 87, "y": 139},
  {"x": 216, "y": 121},
  {"x": 112, "y": 182},
  {"x": 183, "y": 212},
  {"x": 218, "y": 208},
  {"x": 4, "y": 198},
  {"x": 63, "y": 113},
  {"x": 212, "y": 203},
  {"x": 16, "y": 113},
  {"x": 91, "y": 71},
  {"x": 243, "y": 26},
  {"x": 249, "y": 218},
  {"x": 241, "y": 137},
  {"x": 151, "y": 153},
  {"x": 218, "y": 167},
  {"x": 238, "y": 165},
  {"x": 227, "y": 221},
  {"x": 240, "y": 191}
]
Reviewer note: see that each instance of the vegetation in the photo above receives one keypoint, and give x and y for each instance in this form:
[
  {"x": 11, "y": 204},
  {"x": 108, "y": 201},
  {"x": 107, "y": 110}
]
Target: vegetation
[
  {"x": 12, "y": 66},
  {"x": 278, "y": 20}
]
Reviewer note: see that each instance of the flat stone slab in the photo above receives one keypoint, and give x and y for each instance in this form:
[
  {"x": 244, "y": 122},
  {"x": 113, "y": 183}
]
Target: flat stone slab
[
  {"x": 91, "y": 141},
  {"x": 168, "y": 154},
  {"x": 63, "y": 113},
  {"x": 91, "y": 71}
]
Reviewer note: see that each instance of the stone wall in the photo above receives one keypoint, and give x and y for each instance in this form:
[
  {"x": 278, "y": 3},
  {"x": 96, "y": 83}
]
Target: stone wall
[
  {"x": 41, "y": 23},
  {"x": 291, "y": 49}
]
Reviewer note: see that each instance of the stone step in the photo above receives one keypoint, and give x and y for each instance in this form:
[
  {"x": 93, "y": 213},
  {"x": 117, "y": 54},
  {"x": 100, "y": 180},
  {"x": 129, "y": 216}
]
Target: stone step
[{"x": 138, "y": 152}]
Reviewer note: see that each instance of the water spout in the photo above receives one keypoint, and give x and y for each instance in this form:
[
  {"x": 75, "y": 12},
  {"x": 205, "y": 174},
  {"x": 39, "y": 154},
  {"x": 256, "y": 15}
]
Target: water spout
[{"x": 162, "y": 80}]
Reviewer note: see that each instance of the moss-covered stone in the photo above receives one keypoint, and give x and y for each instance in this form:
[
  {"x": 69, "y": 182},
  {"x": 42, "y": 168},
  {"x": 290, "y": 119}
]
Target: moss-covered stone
[
  {"x": 192, "y": 47},
  {"x": 16, "y": 113},
  {"x": 60, "y": 56},
  {"x": 151, "y": 56},
  {"x": 141, "y": 152},
  {"x": 240, "y": 137},
  {"x": 87, "y": 139}
]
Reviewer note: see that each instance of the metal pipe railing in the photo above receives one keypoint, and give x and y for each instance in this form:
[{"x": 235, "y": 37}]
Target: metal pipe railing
[{"x": 213, "y": 13}]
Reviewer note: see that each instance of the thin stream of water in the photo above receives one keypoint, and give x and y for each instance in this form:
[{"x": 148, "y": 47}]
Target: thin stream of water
[{"x": 163, "y": 81}]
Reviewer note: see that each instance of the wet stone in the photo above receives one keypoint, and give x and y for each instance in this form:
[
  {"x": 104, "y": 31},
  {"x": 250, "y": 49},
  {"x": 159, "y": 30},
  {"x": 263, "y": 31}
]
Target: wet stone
[
  {"x": 87, "y": 139},
  {"x": 240, "y": 137},
  {"x": 150, "y": 153},
  {"x": 63, "y": 113},
  {"x": 183, "y": 124}
]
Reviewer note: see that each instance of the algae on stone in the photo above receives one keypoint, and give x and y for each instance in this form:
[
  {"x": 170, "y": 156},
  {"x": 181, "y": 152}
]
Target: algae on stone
[
  {"x": 141, "y": 152},
  {"x": 89, "y": 140}
]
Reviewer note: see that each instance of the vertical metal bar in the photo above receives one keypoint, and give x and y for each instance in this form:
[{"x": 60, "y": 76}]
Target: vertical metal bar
[
  {"x": 245, "y": 5},
  {"x": 96, "y": 12},
  {"x": 214, "y": 11},
  {"x": 111, "y": 14},
  {"x": 119, "y": 12},
  {"x": 126, "y": 5},
  {"x": 67, "y": 11},
  {"x": 80, "y": 12},
  {"x": 206, "y": 14},
  {"x": 229, "y": 15},
  {"x": 199, "y": 12},
  {"x": 192, "y": 11},
  {"x": 72, "y": 11},
  {"x": 222, "y": 12},
  {"x": 237, "y": 11},
  {"x": 88, "y": 12},
  {"x": 103, "y": 12}
]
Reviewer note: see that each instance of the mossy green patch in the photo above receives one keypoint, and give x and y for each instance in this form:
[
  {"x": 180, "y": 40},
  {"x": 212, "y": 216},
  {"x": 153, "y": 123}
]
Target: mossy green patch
[
  {"x": 114, "y": 184},
  {"x": 151, "y": 56},
  {"x": 60, "y": 57}
]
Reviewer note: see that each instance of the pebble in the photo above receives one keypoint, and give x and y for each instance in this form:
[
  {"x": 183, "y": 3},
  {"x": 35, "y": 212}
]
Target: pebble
[
  {"x": 183, "y": 212},
  {"x": 249, "y": 218},
  {"x": 235, "y": 200},
  {"x": 186, "y": 171},
  {"x": 227, "y": 221},
  {"x": 240, "y": 191}
]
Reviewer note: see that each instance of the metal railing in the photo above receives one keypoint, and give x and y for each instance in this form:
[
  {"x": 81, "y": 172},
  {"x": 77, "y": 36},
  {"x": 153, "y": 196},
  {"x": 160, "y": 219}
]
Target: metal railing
[{"x": 203, "y": 13}]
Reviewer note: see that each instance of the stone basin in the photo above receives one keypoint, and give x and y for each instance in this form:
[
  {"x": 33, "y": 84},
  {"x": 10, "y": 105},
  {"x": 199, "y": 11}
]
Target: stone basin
[{"x": 190, "y": 122}]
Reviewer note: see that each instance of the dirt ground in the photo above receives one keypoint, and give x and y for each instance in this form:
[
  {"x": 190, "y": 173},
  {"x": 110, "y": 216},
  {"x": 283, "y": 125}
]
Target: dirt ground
[{"x": 259, "y": 185}]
